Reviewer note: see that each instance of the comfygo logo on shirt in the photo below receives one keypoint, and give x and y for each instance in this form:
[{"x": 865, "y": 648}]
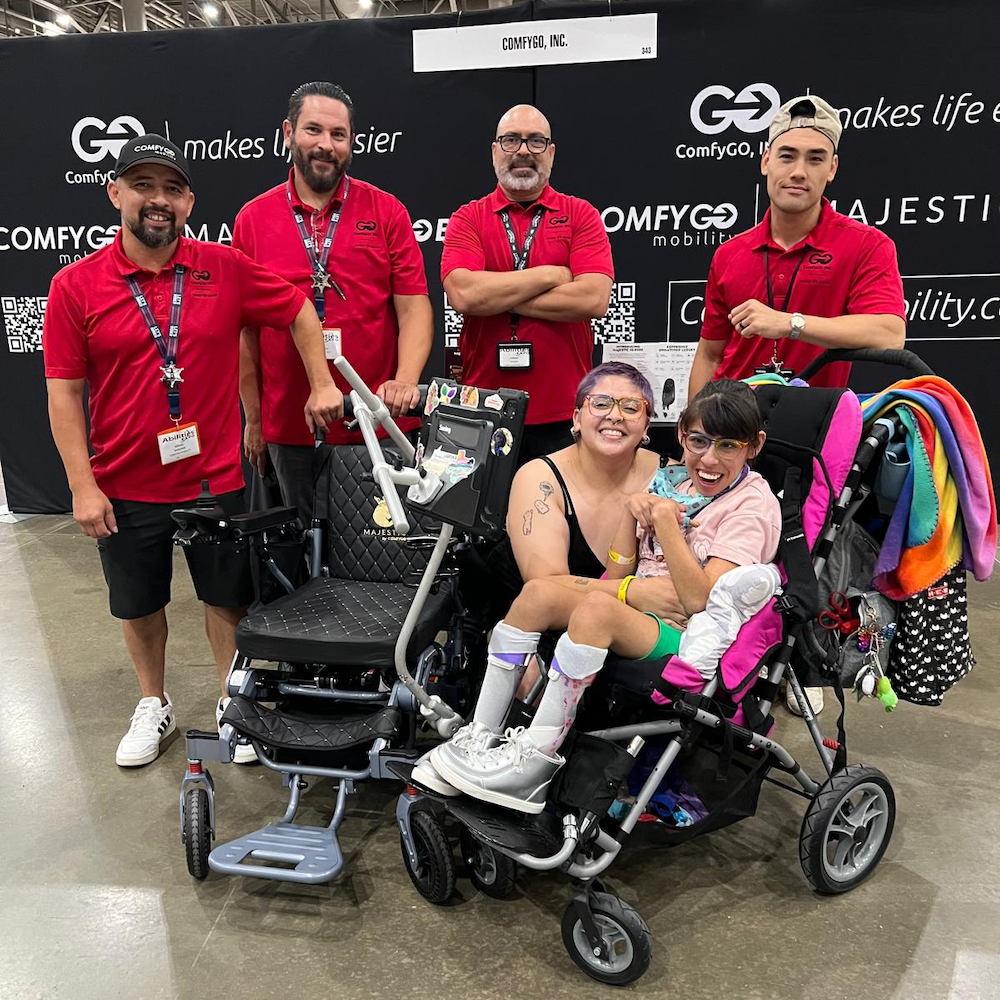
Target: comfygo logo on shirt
[
  {"x": 717, "y": 107},
  {"x": 92, "y": 140}
]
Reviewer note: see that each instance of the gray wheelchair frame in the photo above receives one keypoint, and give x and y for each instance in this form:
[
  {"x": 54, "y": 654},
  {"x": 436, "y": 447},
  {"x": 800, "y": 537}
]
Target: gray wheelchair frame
[{"x": 314, "y": 853}]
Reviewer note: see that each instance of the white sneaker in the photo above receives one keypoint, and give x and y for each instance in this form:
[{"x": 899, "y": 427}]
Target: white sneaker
[
  {"x": 425, "y": 775},
  {"x": 815, "y": 696},
  {"x": 151, "y": 721},
  {"x": 245, "y": 753}
]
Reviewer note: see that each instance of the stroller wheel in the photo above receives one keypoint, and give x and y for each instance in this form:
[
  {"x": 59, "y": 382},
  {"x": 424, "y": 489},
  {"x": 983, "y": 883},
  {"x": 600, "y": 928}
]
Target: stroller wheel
[
  {"x": 434, "y": 877},
  {"x": 628, "y": 942},
  {"x": 197, "y": 832},
  {"x": 846, "y": 829},
  {"x": 491, "y": 872}
]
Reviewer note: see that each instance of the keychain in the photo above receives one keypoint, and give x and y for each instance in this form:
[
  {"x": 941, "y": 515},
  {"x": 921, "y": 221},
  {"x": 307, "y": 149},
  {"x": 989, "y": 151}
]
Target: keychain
[{"x": 871, "y": 680}]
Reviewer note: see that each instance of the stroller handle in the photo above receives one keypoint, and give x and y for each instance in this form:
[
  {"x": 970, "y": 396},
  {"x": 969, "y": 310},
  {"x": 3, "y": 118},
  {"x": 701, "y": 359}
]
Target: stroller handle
[{"x": 902, "y": 358}]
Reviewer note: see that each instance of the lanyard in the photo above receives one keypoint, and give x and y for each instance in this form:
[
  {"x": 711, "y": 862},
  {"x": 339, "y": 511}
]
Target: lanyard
[
  {"x": 171, "y": 377},
  {"x": 321, "y": 279},
  {"x": 767, "y": 279},
  {"x": 520, "y": 256}
]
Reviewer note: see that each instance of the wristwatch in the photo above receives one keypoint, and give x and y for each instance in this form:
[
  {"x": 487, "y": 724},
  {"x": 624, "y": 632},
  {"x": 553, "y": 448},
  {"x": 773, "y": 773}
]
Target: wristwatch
[{"x": 796, "y": 326}]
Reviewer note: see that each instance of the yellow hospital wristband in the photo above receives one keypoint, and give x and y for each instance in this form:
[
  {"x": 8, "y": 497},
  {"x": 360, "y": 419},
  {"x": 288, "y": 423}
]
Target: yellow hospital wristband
[
  {"x": 623, "y": 588},
  {"x": 620, "y": 559}
]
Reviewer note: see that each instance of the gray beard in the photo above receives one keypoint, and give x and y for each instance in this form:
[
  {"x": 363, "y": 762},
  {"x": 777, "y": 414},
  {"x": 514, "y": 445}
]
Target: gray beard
[{"x": 514, "y": 183}]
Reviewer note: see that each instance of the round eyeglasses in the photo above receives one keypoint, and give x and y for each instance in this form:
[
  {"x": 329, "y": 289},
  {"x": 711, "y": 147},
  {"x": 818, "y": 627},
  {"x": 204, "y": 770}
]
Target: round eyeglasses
[
  {"x": 631, "y": 407},
  {"x": 698, "y": 444},
  {"x": 511, "y": 143}
]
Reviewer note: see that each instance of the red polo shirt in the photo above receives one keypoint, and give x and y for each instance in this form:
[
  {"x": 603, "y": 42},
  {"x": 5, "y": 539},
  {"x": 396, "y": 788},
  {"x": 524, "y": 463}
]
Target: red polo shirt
[
  {"x": 373, "y": 257},
  {"x": 844, "y": 268},
  {"x": 570, "y": 234},
  {"x": 94, "y": 330}
]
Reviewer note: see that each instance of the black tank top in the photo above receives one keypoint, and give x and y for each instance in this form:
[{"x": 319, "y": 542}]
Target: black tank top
[{"x": 580, "y": 558}]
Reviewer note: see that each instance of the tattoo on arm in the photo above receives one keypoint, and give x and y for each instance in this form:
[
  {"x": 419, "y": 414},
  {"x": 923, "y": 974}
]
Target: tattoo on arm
[
  {"x": 581, "y": 581},
  {"x": 540, "y": 505},
  {"x": 526, "y": 526}
]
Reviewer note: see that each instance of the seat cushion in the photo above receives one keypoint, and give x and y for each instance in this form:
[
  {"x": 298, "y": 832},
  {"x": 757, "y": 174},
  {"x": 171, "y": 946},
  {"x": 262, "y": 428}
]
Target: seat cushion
[
  {"x": 341, "y": 621},
  {"x": 291, "y": 732}
]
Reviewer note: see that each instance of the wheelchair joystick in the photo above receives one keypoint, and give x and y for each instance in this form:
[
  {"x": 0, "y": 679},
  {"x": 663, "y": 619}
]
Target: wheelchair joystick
[{"x": 206, "y": 499}]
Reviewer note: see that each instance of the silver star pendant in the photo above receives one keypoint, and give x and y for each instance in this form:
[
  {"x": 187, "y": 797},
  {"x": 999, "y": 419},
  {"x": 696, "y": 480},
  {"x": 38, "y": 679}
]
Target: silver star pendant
[
  {"x": 321, "y": 281},
  {"x": 171, "y": 375}
]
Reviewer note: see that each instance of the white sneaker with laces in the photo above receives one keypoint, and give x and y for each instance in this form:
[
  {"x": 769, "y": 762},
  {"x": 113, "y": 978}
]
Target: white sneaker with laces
[
  {"x": 151, "y": 721},
  {"x": 245, "y": 753},
  {"x": 815, "y": 696},
  {"x": 470, "y": 740},
  {"x": 424, "y": 775}
]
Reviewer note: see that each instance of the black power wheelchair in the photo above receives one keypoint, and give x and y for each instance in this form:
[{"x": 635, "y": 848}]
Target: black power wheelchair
[{"x": 331, "y": 678}]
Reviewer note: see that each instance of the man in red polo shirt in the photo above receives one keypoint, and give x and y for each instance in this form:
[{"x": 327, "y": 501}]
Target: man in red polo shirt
[
  {"x": 806, "y": 278},
  {"x": 529, "y": 268},
  {"x": 151, "y": 323},
  {"x": 350, "y": 247}
]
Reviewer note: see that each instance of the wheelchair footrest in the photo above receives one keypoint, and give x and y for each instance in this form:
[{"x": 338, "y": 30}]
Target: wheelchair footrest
[
  {"x": 313, "y": 850},
  {"x": 520, "y": 833},
  {"x": 277, "y": 729}
]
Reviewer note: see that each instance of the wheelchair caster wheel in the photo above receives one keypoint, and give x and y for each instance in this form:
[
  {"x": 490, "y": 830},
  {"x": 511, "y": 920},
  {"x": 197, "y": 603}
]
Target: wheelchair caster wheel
[
  {"x": 628, "y": 944},
  {"x": 846, "y": 829},
  {"x": 434, "y": 877},
  {"x": 197, "y": 832},
  {"x": 491, "y": 872}
]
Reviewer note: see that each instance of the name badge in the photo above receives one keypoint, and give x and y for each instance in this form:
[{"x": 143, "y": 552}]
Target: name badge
[
  {"x": 178, "y": 443},
  {"x": 514, "y": 356},
  {"x": 332, "y": 343}
]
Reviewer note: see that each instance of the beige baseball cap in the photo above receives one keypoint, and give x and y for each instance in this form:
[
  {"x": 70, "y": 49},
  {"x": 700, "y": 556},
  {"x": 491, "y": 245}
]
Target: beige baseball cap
[{"x": 808, "y": 111}]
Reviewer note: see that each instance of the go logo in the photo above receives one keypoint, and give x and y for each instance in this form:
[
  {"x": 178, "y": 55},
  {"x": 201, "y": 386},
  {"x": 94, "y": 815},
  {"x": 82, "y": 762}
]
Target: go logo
[
  {"x": 92, "y": 140},
  {"x": 717, "y": 107}
]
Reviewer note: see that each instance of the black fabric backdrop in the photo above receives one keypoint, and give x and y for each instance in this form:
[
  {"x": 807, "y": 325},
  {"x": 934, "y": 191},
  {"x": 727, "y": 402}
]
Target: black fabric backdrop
[{"x": 673, "y": 168}]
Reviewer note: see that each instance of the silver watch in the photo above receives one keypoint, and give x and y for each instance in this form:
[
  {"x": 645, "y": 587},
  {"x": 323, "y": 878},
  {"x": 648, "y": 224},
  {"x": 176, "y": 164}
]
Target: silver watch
[{"x": 796, "y": 326}]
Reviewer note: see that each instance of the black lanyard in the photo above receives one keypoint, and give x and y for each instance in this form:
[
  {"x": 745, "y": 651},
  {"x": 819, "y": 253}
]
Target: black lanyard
[
  {"x": 520, "y": 256},
  {"x": 321, "y": 279},
  {"x": 171, "y": 377},
  {"x": 767, "y": 279}
]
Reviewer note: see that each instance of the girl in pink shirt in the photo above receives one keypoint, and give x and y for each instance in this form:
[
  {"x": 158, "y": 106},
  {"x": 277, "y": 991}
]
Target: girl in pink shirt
[{"x": 711, "y": 518}]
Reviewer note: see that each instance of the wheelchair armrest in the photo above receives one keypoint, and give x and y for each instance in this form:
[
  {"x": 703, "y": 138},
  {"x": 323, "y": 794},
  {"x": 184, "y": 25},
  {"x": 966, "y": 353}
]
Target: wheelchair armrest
[{"x": 262, "y": 520}]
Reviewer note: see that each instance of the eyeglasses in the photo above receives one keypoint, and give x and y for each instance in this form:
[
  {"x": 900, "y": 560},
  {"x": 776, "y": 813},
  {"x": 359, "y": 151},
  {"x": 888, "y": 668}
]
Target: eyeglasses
[
  {"x": 698, "y": 444},
  {"x": 511, "y": 143},
  {"x": 631, "y": 407}
]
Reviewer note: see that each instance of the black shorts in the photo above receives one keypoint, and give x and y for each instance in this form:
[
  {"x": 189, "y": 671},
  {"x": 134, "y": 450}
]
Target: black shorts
[{"x": 138, "y": 560}]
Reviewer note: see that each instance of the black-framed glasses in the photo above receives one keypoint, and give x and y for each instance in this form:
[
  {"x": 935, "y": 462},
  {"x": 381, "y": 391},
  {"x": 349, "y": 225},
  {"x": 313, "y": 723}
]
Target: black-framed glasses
[
  {"x": 631, "y": 407},
  {"x": 511, "y": 143}
]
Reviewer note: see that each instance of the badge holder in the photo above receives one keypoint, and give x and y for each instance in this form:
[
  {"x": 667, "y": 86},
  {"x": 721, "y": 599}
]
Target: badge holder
[
  {"x": 774, "y": 367},
  {"x": 515, "y": 355}
]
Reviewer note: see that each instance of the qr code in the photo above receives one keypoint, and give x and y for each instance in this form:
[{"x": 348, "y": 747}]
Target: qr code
[
  {"x": 452, "y": 324},
  {"x": 617, "y": 326},
  {"x": 22, "y": 319}
]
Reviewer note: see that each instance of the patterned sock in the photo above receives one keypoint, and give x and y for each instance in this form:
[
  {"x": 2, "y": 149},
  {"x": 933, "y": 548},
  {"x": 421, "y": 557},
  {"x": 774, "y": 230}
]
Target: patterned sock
[
  {"x": 574, "y": 667},
  {"x": 508, "y": 653}
]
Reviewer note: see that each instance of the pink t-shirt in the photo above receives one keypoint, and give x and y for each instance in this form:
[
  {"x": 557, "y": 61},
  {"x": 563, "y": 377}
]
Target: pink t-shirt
[{"x": 743, "y": 526}]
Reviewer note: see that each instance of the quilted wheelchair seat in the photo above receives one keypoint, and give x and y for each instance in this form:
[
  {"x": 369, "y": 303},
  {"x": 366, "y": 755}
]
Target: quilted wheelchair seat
[{"x": 342, "y": 621}]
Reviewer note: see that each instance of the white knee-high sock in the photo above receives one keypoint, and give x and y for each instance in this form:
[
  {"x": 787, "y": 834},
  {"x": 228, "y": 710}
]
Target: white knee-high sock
[
  {"x": 508, "y": 653},
  {"x": 574, "y": 667}
]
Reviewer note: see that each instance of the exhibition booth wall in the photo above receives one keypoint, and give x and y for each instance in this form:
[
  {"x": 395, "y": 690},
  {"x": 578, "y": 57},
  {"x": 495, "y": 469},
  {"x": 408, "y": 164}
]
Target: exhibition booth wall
[{"x": 666, "y": 148}]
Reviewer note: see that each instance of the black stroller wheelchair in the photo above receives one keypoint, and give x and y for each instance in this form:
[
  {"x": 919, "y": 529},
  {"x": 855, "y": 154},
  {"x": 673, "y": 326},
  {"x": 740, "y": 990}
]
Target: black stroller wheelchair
[
  {"x": 716, "y": 736},
  {"x": 330, "y": 678}
]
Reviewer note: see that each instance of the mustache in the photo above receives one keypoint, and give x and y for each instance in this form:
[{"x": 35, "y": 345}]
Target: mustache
[{"x": 523, "y": 161}]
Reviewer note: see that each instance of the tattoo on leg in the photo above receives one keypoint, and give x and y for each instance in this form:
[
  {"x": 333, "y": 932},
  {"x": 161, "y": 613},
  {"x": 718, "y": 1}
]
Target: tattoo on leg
[{"x": 526, "y": 526}]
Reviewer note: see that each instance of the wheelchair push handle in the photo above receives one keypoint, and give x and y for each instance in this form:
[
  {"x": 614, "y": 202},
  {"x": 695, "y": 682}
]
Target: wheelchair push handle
[{"x": 902, "y": 358}]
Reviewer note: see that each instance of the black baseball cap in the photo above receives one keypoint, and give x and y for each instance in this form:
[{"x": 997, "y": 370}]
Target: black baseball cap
[{"x": 152, "y": 148}]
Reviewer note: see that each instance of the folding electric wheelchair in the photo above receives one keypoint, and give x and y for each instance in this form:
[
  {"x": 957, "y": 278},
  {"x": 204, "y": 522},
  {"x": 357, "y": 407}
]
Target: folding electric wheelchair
[{"x": 331, "y": 677}]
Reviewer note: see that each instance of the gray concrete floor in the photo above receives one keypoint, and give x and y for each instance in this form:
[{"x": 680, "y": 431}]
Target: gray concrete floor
[{"x": 97, "y": 902}]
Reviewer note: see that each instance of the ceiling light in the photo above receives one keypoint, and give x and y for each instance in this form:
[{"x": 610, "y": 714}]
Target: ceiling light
[
  {"x": 210, "y": 11},
  {"x": 51, "y": 28},
  {"x": 365, "y": 4},
  {"x": 63, "y": 19}
]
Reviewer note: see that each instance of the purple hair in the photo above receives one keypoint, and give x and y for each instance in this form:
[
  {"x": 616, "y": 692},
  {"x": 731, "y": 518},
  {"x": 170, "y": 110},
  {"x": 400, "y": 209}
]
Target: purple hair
[{"x": 616, "y": 369}]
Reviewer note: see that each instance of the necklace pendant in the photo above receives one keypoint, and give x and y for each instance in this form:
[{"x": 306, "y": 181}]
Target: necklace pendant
[
  {"x": 171, "y": 375},
  {"x": 321, "y": 280}
]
